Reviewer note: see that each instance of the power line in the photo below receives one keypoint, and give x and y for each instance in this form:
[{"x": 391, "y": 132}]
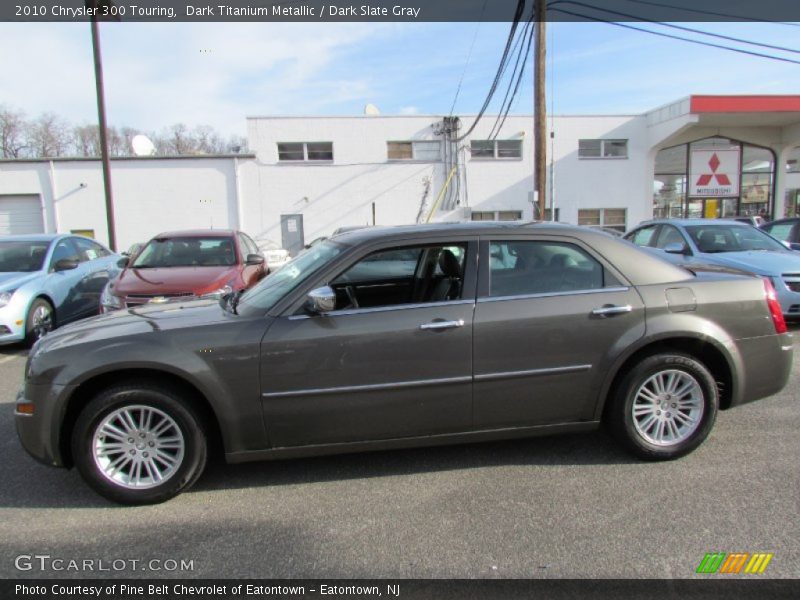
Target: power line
[
  {"x": 524, "y": 52},
  {"x": 709, "y": 12},
  {"x": 677, "y": 37},
  {"x": 500, "y": 69},
  {"x": 680, "y": 27},
  {"x": 469, "y": 57}
]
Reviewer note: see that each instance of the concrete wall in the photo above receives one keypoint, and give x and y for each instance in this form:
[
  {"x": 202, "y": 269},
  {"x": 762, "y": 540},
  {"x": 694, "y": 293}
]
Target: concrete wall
[{"x": 150, "y": 195}]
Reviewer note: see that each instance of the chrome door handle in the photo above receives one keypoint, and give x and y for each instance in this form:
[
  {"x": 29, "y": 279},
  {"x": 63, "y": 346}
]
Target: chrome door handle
[
  {"x": 608, "y": 311},
  {"x": 442, "y": 324}
]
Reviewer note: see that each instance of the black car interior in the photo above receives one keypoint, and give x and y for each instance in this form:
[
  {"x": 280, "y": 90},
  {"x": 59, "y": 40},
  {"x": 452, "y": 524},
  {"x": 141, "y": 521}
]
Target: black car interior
[{"x": 402, "y": 276}]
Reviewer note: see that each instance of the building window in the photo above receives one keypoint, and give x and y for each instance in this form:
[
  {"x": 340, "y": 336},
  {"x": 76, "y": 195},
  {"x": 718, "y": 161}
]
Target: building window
[
  {"x": 602, "y": 148},
  {"x": 610, "y": 218},
  {"x": 305, "y": 151},
  {"x": 496, "y": 149},
  {"x": 501, "y": 215},
  {"x": 423, "y": 151}
]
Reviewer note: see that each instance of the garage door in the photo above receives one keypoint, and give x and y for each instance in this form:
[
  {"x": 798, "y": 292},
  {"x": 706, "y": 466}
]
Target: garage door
[{"x": 20, "y": 215}]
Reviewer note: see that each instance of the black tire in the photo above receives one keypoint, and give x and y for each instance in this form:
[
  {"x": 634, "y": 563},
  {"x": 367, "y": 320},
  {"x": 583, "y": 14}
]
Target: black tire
[
  {"x": 34, "y": 327},
  {"x": 189, "y": 463},
  {"x": 634, "y": 435}
]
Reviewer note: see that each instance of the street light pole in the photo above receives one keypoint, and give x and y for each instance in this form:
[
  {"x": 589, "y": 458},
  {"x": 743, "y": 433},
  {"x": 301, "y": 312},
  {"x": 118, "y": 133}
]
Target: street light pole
[{"x": 101, "y": 114}]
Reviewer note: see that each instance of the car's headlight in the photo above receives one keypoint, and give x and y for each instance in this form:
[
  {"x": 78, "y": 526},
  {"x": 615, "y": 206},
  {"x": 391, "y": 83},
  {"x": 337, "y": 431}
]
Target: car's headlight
[
  {"x": 109, "y": 300},
  {"x": 5, "y": 297}
]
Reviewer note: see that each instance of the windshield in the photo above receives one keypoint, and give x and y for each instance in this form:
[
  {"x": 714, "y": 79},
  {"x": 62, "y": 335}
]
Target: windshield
[
  {"x": 22, "y": 257},
  {"x": 186, "y": 252},
  {"x": 731, "y": 238},
  {"x": 264, "y": 295}
]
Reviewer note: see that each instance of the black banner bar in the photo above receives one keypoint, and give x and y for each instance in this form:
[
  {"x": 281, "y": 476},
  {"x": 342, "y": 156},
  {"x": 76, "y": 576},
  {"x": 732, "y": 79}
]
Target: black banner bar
[
  {"x": 216, "y": 589},
  {"x": 285, "y": 11}
]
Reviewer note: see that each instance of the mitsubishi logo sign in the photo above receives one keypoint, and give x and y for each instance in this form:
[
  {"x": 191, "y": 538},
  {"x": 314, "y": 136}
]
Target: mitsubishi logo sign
[{"x": 714, "y": 173}]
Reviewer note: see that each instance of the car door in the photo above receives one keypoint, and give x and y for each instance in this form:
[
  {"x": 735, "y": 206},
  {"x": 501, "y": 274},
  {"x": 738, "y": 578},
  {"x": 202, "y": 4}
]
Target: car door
[
  {"x": 550, "y": 318},
  {"x": 64, "y": 286},
  {"x": 393, "y": 360},
  {"x": 97, "y": 268}
]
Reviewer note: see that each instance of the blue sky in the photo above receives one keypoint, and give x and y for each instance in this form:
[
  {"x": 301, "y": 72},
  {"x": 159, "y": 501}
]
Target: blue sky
[{"x": 163, "y": 73}]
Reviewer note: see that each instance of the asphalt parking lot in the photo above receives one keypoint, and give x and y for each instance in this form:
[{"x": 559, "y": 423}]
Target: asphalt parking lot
[{"x": 569, "y": 506}]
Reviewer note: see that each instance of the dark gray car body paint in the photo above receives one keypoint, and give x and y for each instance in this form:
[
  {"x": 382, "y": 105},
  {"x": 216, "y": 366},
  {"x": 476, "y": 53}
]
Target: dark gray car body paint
[{"x": 288, "y": 384}]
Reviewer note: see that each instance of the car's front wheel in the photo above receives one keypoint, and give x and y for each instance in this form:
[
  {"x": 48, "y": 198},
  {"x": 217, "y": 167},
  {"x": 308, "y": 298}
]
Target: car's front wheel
[
  {"x": 41, "y": 319},
  {"x": 664, "y": 407},
  {"x": 139, "y": 444}
]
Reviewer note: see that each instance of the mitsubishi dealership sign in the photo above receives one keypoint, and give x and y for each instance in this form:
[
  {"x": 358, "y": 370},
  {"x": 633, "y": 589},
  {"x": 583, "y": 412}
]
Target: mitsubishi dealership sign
[{"x": 714, "y": 173}]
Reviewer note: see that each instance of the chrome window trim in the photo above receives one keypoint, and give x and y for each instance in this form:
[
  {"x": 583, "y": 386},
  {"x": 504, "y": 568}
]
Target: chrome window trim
[
  {"x": 377, "y": 309},
  {"x": 534, "y": 372},
  {"x": 552, "y": 294},
  {"x": 368, "y": 388}
]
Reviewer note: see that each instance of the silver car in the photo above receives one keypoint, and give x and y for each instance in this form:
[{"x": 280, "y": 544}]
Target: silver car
[
  {"x": 49, "y": 280},
  {"x": 730, "y": 244}
]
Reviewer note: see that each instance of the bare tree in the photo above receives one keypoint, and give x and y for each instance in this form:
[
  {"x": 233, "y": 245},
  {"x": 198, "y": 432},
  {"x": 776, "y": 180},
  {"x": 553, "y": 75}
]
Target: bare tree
[
  {"x": 49, "y": 136},
  {"x": 12, "y": 132},
  {"x": 175, "y": 141},
  {"x": 86, "y": 139},
  {"x": 237, "y": 144}
]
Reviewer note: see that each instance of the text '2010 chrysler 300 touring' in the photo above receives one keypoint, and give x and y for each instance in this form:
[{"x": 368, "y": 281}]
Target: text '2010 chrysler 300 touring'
[{"x": 398, "y": 337}]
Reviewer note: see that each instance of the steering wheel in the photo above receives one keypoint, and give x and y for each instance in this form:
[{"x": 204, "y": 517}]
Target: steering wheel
[{"x": 351, "y": 295}]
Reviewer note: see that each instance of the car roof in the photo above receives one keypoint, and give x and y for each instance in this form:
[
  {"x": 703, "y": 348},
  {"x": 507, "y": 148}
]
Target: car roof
[
  {"x": 196, "y": 233},
  {"x": 36, "y": 237},
  {"x": 689, "y": 222},
  {"x": 357, "y": 236}
]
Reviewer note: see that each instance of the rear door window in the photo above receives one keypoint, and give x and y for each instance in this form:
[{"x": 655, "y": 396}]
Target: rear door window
[{"x": 527, "y": 267}]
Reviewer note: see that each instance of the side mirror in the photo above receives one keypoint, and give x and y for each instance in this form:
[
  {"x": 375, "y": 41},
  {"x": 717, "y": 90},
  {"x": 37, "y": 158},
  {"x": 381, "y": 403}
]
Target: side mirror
[
  {"x": 123, "y": 262},
  {"x": 321, "y": 300},
  {"x": 254, "y": 259},
  {"x": 65, "y": 264},
  {"x": 676, "y": 248}
]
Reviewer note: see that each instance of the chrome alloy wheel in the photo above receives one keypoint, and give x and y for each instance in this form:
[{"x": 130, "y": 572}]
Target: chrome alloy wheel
[
  {"x": 138, "y": 447},
  {"x": 42, "y": 320},
  {"x": 668, "y": 407}
]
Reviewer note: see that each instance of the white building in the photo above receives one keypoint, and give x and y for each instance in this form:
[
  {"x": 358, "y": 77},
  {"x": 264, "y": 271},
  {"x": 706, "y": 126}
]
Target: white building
[{"x": 307, "y": 176}]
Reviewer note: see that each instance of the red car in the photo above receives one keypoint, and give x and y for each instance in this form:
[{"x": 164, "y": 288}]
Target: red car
[{"x": 185, "y": 264}]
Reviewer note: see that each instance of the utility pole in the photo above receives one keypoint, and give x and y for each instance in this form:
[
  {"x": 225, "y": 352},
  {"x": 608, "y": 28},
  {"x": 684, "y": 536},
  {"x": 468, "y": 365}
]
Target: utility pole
[
  {"x": 101, "y": 114},
  {"x": 540, "y": 109}
]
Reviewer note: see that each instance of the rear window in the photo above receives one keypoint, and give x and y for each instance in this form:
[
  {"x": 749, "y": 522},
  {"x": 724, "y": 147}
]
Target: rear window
[{"x": 187, "y": 252}]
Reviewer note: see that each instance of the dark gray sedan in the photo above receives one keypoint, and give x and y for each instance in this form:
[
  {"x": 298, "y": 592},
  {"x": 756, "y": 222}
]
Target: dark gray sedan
[{"x": 401, "y": 337}]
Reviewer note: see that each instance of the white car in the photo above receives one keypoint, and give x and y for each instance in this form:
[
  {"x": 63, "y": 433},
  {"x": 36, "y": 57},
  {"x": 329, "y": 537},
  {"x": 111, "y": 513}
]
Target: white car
[{"x": 275, "y": 255}]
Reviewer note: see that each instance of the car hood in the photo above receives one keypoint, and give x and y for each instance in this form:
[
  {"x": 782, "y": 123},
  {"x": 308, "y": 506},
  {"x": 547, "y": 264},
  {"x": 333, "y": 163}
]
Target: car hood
[
  {"x": 172, "y": 280},
  {"x": 759, "y": 262},
  {"x": 12, "y": 281},
  {"x": 135, "y": 321}
]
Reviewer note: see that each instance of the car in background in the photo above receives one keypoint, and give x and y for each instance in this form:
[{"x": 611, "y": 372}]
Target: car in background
[
  {"x": 133, "y": 250},
  {"x": 389, "y": 338},
  {"x": 754, "y": 220},
  {"x": 185, "y": 264},
  {"x": 49, "y": 280},
  {"x": 726, "y": 243},
  {"x": 785, "y": 230},
  {"x": 276, "y": 255}
]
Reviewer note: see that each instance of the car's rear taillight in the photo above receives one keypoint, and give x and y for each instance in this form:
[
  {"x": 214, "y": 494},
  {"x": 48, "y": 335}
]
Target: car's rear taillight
[{"x": 774, "y": 307}]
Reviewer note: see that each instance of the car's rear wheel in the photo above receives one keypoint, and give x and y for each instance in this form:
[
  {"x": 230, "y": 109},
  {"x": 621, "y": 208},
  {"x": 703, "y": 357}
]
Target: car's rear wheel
[
  {"x": 664, "y": 407},
  {"x": 41, "y": 319},
  {"x": 139, "y": 444}
]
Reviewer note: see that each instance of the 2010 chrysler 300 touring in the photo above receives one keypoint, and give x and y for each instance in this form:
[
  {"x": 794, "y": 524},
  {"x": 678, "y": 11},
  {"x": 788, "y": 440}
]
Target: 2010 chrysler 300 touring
[{"x": 399, "y": 337}]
